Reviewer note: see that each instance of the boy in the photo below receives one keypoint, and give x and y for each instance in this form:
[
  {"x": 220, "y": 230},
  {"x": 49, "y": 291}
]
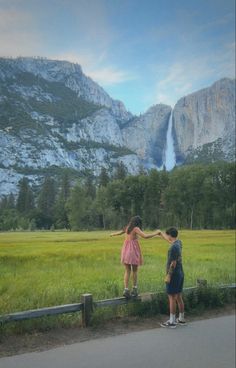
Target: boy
[{"x": 174, "y": 278}]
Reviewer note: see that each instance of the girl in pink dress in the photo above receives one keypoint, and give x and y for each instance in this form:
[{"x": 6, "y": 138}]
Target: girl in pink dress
[{"x": 131, "y": 255}]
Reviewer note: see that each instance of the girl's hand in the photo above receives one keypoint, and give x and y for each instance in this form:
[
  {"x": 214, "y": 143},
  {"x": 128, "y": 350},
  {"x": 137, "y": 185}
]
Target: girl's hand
[
  {"x": 118, "y": 233},
  {"x": 158, "y": 233}
]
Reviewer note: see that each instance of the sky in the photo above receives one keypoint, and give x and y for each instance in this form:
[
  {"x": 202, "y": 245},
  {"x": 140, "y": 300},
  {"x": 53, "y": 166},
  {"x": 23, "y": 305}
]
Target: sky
[{"x": 142, "y": 52}]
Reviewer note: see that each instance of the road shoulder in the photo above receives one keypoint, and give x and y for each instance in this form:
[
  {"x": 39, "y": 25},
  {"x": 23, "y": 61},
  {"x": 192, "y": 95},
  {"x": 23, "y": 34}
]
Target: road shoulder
[{"x": 41, "y": 341}]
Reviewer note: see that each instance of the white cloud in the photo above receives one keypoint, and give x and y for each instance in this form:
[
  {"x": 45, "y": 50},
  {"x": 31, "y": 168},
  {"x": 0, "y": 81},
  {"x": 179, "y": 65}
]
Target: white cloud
[
  {"x": 98, "y": 68},
  {"x": 110, "y": 75}
]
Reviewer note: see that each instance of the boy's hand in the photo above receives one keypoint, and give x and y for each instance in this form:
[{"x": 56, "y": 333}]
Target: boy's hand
[{"x": 167, "y": 278}]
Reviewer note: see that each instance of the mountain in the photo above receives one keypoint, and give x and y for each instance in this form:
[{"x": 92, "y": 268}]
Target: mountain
[
  {"x": 204, "y": 124},
  {"x": 54, "y": 118}
]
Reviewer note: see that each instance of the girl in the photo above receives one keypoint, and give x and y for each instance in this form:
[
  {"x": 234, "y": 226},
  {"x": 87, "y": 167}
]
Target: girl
[{"x": 131, "y": 255}]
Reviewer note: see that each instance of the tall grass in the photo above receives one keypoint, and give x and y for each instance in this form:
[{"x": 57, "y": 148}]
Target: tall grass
[{"x": 50, "y": 268}]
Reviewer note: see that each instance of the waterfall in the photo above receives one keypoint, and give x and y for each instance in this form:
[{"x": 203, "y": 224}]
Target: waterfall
[{"x": 169, "y": 157}]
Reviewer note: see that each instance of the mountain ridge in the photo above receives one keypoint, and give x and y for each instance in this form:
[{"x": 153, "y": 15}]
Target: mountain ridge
[{"x": 52, "y": 115}]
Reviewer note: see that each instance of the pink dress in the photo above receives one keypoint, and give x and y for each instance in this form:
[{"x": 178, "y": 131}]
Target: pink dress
[{"x": 131, "y": 253}]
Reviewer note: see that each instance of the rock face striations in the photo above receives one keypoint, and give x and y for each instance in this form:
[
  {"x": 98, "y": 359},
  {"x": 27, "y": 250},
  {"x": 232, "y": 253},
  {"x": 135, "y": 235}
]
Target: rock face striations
[
  {"x": 53, "y": 117},
  {"x": 204, "y": 124}
]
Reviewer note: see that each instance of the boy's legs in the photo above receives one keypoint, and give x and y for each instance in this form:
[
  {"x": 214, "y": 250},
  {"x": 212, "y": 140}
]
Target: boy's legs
[
  {"x": 171, "y": 323},
  {"x": 172, "y": 303},
  {"x": 180, "y": 303}
]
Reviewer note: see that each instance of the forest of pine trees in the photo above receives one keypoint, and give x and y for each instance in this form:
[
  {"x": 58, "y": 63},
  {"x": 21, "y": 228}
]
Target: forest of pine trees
[{"x": 193, "y": 197}]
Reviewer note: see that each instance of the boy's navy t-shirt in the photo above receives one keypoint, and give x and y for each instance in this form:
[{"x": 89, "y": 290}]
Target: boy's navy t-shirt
[{"x": 175, "y": 254}]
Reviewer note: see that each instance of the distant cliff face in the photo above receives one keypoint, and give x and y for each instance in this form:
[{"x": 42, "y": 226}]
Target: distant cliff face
[
  {"x": 146, "y": 135},
  {"x": 204, "y": 124}
]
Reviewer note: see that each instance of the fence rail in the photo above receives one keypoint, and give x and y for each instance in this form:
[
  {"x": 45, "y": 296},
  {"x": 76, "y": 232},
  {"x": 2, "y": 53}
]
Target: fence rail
[{"x": 87, "y": 305}]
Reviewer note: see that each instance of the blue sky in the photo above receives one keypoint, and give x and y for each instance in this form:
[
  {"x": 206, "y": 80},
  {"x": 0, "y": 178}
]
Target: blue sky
[{"x": 142, "y": 52}]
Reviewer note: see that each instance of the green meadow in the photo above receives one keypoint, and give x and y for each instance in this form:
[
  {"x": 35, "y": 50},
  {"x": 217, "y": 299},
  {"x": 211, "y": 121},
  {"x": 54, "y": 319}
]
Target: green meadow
[{"x": 50, "y": 268}]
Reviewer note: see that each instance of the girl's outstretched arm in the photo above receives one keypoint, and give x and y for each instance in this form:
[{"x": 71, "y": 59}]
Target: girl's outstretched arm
[
  {"x": 118, "y": 233},
  {"x": 146, "y": 236},
  {"x": 164, "y": 236}
]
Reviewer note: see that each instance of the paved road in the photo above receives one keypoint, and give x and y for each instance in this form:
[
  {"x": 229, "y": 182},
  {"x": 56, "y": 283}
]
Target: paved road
[{"x": 204, "y": 344}]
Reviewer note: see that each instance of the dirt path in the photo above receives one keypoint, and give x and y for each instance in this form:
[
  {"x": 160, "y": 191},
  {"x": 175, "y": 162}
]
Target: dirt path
[{"x": 40, "y": 341}]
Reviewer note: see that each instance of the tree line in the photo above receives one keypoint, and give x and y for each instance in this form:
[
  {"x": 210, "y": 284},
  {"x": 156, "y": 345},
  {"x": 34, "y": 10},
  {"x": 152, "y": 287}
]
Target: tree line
[{"x": 194, "y": 196}]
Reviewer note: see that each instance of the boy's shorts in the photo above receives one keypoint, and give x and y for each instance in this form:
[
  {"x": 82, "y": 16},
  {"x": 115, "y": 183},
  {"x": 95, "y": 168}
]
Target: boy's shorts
[{"x": 176, "y": 284}]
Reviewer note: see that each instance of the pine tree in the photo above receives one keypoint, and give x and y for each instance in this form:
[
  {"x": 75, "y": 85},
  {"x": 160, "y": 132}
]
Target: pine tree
[
  {"x": 120, "y": 171},
  {"x": 61, "y": 216},
  {"x": 90, "y": 189},
  {"x": 4, "y": 203},
  {"x": 103, "y": 179},
  {"x": 25, "y": 200},
  {"x": 11, "y": 201},
  {"x": 65, "y": 187},
  {"x": 78, "y": 207},
  {"x": 46, "y": 198}
]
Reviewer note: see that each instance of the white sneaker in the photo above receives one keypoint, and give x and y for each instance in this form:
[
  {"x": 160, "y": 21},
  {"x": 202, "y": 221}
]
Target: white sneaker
[
  {"x": 181, "y": 323},
  {"x": 168, "y": 324}
]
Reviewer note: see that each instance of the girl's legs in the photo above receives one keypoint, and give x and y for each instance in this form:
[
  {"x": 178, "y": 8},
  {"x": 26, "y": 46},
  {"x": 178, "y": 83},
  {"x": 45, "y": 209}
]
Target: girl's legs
[
  {"x": 127, "y": 275},
  {"x": 134, "y": 292},
  {"x": 135, "y": 275}
]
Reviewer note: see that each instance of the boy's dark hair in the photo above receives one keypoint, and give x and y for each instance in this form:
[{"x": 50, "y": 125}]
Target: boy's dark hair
[
  {"x": 135, "y": 221},
  {"x": 172, "y": 231}
]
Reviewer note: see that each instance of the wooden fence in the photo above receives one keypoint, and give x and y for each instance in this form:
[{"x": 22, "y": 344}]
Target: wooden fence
[{"x": 87, "y": 305}]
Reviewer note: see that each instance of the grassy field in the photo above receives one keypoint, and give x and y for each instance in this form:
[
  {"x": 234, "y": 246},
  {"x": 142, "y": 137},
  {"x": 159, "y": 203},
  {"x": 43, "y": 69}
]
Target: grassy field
[{"x": 50, "y": 268}]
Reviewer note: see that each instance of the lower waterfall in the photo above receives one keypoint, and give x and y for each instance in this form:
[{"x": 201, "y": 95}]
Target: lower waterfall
[{"x": 169, "y": 155}]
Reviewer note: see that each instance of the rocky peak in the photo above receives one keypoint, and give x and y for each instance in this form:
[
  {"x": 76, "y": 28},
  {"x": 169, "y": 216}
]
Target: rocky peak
[{"x": 70, "y": 74}]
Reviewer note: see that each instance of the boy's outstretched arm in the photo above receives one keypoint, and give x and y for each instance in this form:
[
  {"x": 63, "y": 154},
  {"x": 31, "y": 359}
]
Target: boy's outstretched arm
[{"x": 117, "y": 233}]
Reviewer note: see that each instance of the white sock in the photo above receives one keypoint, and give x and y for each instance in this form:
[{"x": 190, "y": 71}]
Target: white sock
[
  {"x": 126, "y": 289},
  {"x": 135, "y": 286},
  {"x": 172, "y": 318},
  {"x": 181, "y": 316}
]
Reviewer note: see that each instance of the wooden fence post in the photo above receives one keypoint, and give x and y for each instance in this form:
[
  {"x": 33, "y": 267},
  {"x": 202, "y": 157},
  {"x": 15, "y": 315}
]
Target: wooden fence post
[
  {"x": 87, "y": 308},
  {"x": 201, "y": 283}
]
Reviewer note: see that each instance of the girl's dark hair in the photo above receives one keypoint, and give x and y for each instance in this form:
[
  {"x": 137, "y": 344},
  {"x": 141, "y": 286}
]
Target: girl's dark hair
[{"x": 135, "y": 221}]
